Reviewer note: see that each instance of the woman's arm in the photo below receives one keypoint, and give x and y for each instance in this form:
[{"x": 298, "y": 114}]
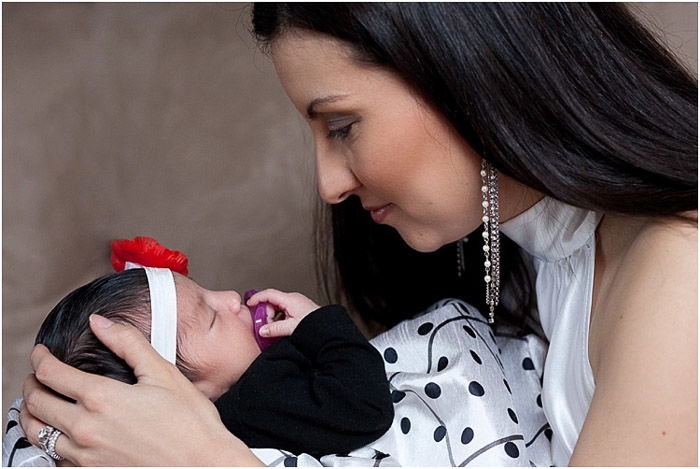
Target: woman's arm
[
  {"x": 644, "y": 410},
  {"x": 162, "y": 420}
]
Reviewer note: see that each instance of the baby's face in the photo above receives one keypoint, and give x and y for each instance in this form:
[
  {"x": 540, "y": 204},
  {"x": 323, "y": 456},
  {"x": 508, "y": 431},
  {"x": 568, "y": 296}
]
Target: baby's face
[{"x": 216, "y": 335}]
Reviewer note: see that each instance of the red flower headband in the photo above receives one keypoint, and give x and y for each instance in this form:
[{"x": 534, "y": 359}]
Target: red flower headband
[{"x": 147, "y": 252}]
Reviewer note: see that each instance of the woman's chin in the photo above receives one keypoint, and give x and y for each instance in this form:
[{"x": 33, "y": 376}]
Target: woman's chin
[{"x": 421, "y": 242}]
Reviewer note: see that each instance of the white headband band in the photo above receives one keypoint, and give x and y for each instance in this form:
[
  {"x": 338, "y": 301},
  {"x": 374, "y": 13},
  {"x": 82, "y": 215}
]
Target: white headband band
[{"x": 161, "y": 286}]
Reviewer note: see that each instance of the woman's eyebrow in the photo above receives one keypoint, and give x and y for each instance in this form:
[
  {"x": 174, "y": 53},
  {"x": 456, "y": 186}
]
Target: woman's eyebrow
[{"x": 311, "y": 112}]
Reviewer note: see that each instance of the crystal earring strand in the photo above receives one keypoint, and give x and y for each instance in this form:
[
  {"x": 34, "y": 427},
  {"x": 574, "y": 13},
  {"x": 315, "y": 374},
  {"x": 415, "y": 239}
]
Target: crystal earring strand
[
  {"x": 461, "y": 265},
  {"x": 491, "y": 235}
]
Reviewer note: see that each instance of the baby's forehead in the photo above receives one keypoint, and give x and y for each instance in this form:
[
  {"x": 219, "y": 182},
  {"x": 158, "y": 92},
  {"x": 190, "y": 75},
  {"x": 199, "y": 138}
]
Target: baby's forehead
[
  {"x": 184, "y": 280},
  {"x": 189, "y": 301},
  {"x": 186, "y": 288}
]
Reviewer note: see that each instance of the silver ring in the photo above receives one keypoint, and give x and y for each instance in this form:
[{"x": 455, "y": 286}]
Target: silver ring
[
  {"x": 51, "y": 445},
  {"x": 47, "y": 441},
  {"x": 43, "y": 436}
]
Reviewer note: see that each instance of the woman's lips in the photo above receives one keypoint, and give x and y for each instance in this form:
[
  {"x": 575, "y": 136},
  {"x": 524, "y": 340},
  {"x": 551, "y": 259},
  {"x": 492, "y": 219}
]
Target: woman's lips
[{"x": 380, "y": 213}]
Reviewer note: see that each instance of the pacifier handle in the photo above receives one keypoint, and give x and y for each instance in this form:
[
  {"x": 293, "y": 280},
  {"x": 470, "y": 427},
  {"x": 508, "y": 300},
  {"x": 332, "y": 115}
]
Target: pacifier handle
[{"x": 259, "y": 315}]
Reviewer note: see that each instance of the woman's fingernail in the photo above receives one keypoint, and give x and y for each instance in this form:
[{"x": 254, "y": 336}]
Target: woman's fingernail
[
  {"x": 100, "y": 321},
  {"x": 264, "y": 331}
]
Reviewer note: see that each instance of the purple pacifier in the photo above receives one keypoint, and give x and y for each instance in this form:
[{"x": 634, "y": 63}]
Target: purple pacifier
[{"x": 259, "y": 315}]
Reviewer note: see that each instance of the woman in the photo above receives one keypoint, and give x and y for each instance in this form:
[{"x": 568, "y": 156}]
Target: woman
[{"x": 566, "y": 126}]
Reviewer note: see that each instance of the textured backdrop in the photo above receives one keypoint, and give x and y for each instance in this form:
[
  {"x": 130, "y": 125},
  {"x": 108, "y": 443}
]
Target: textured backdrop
[{"x": 162, "y": 120}]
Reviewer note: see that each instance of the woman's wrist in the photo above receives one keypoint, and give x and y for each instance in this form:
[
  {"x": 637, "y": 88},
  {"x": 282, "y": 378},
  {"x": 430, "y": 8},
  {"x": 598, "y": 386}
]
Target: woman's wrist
[{"x": 228, "y": 451}]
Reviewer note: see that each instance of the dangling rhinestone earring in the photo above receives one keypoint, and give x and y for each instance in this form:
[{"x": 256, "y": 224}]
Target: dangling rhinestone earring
[
  {"x": 461, "y": 265},
  {"x": 491, "y": 234}
]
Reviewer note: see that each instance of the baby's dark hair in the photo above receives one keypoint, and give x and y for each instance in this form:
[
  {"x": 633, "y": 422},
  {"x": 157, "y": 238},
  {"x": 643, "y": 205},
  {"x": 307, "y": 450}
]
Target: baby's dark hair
[{"x": 122, "y": 297}]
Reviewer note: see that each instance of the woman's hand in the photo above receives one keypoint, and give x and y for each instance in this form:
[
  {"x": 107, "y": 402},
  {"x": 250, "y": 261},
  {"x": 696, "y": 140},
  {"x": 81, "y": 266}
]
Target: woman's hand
[
  {"x": 295, "y": 307},
  {"x": 162, "y": 420}
]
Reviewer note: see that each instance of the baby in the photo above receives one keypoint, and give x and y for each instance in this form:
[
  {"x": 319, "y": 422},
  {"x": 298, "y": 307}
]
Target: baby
[
  {"x": 320, "y": 390},
  {"x": 461, "y": 396}
]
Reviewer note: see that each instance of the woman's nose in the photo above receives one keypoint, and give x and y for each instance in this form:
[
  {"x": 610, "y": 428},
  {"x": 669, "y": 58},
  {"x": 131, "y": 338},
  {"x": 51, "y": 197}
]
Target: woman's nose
[{"x": 336, "y": 180}]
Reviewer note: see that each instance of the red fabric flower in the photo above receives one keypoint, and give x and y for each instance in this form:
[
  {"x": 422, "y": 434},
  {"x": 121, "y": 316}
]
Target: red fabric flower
[{"x": 147, "y": 252}]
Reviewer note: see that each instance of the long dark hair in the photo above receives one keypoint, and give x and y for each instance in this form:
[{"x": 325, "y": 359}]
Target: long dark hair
[
  {"x": 122, "y": 297},
  {"x": 575, "y": 100}
]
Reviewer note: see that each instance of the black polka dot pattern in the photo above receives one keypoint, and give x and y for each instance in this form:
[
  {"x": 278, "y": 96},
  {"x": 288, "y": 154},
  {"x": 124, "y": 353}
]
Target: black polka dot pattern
[
  {"x": 467, "y": 436},
  {"x": 511, "y": 449},
  {"x": 475, "y": 356},
  {"x": 425, "y": 328},
  {"x": 397, "y": 395},
  {"x": 439, "y": 433},
  {"x": 432, "y": 390},
  {"x": 390, "y": 355},
  {"x": 511, "y": 414},
  {"x": 476, "y": 389},
  {"x": 462, "y": 396},
  {"x": 290, "y": 461},
  {"x": 10, "y": 424},
  {"x": 539, "y": 400}
]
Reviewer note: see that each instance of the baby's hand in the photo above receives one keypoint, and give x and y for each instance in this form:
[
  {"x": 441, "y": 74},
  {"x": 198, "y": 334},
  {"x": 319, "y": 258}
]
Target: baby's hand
[{"x": 295, "y": 307}]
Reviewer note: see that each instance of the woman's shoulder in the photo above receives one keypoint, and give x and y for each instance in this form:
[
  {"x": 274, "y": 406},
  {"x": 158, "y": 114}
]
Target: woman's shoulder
[
  {"x": 648, "y": 249},
  {"x": 646, "y": 363},
  {"x": 661, "y": 249},
  {"x": 669, "y": 233},
  {"x": 662, "y": 254},
  {"x": 650, "y": 268},
  {"x": 646, "y": 283}
]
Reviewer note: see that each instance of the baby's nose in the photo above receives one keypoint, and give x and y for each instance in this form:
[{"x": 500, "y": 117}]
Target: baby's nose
[{"x": 232, "y": 297}]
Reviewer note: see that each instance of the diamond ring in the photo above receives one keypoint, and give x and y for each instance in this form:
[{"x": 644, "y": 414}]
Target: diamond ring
[{"x": 47, "y": 441}]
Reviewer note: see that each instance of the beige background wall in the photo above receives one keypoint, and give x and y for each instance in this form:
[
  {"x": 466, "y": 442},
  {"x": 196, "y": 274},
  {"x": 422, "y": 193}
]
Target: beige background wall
[{"x": 162, "y": 120}]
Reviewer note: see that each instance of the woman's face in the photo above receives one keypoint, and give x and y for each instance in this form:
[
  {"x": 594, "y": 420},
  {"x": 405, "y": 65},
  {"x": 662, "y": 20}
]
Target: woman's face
[{"x": 376, "y": 139}]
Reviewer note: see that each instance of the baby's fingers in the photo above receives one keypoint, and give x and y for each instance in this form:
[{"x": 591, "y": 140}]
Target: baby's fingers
[
  {"x": 279, "y": 328},
  {"x": 269, "y": 295}
]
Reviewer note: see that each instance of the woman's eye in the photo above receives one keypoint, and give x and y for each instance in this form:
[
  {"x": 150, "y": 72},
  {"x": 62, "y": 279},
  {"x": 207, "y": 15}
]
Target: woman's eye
[{"x": 341, "y": 132}]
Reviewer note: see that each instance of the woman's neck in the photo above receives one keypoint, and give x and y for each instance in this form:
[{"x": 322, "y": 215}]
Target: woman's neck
[{"x": 515, "y": 197}]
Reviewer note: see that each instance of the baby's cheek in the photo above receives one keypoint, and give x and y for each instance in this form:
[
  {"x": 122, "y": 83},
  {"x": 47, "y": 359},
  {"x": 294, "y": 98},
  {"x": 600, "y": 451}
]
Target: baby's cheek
[{"x": 189, "y": 363}]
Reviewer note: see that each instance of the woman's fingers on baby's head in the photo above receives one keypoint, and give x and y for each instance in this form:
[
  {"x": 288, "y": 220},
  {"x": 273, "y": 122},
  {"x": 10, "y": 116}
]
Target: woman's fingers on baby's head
[
  {"x": 129, "y": 344},
  {"x": 27, "y": 421},
  {"x": 42, "y": 407},
  {"x": 53, "y": 373},
  {"x": 30, "y": 424}
]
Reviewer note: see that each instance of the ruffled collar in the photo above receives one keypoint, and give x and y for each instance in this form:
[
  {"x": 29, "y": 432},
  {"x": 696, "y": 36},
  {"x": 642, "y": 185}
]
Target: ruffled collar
[{"x": 552, "y": 230}]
